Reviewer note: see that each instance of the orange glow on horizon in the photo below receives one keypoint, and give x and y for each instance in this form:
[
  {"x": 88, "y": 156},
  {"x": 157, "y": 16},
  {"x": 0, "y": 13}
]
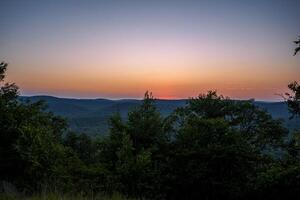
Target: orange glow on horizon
[{"x": 175, "y": 50}]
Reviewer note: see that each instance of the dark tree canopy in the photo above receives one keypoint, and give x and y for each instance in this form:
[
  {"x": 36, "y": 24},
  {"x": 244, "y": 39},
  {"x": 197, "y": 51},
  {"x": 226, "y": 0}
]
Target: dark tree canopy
[
  {"x": 3, "y": 66},
  {"x": 297, "y": 49},
  {"x": 293, "y": 98},
  {"x": 29, "y": 139}
]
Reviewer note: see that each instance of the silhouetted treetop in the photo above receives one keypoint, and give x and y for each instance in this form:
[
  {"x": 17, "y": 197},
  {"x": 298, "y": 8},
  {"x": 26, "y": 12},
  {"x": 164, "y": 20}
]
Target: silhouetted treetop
[
  {"x": 3, "y": 66},
  {"x": 297, "y": 42}
]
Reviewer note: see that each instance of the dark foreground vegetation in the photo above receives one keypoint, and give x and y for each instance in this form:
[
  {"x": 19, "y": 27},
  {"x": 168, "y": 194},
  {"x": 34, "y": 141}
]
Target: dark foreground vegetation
[{"x": 213, "y": 148}]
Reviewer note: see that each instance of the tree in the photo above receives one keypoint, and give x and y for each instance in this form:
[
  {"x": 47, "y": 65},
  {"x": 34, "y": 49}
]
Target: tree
[
  {"x": 83, "y": 145},
  {"x": 30, "y": 139},
  {"x": 293, "y": 100},
  {"x": 145, "y": 125},
  {"x": 281, "y": 179},
  {"x": 297, "y": 42},
  {"x": 210, "y": 161},
  {"x": 218, "y": 146},
  {"x": 3, "y": 67},
  {"x": 132, "y": 150},
  {"x": 255, "y": 124}
]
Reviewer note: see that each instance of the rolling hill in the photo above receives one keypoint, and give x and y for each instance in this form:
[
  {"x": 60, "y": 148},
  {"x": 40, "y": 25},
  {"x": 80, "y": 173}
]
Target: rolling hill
[{"x": 91, "y": 115}]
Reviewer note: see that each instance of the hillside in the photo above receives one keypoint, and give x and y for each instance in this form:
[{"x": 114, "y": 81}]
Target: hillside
[{"x": 91, "y": 115}]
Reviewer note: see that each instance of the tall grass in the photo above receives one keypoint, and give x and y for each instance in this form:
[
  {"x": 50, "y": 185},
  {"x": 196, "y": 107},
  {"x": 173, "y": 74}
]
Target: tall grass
[{"x": 53, "y": 196}]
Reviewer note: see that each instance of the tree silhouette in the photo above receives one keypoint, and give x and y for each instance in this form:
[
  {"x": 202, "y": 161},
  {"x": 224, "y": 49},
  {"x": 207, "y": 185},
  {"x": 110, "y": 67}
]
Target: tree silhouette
[
  {"x": 293, "y": 100},
  {"x": 30, "y": 147},
  {"x": 297, "y": 42},
  {"x": 3, "y": 66}
]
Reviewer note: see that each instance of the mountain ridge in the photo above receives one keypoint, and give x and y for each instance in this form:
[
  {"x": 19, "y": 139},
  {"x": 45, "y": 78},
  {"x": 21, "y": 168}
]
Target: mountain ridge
[{"x": 91, "y": 115}]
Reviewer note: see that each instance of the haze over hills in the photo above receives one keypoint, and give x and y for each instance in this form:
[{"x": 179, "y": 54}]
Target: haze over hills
[{"x": 91, "y": 115}]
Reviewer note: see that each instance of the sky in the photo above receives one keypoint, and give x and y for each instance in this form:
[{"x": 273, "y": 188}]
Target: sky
[{"x": 176, "y": 49}]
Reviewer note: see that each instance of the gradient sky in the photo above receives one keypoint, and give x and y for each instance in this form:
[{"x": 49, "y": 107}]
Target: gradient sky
[{"x": 176, "y": 49}]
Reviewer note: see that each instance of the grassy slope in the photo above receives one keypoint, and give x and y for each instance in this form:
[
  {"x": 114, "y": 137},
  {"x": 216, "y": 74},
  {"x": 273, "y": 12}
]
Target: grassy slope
[{"x": 52, "y": 196}]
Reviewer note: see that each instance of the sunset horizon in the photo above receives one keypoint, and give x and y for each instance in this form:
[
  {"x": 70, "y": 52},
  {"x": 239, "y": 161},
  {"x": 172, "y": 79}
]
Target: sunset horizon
[{"x": 176, "y": 50}]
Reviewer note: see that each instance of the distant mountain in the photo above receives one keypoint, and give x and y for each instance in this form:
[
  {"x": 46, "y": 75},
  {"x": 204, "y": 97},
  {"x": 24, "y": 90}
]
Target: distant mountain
[{"x": 91, "y": 115}]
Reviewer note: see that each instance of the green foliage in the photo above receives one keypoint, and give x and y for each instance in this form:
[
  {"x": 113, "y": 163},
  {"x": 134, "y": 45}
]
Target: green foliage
[
  {"x": 83, "y": 146},
  {"x": 145, "y": 125},
  {"x": 29, "y": 138},
  {"x": 209, "y": 159},
  {"x": 131, "y": 147},
  {"x": 256, "y": 125},
  {"x": 279, "y": 182},
  {"x": 293, "y": 100},
  {"x": 54, "y": 196}
]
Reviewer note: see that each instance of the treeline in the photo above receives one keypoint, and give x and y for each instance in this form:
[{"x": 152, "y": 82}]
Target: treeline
[{"x": 213, "y": 148}]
